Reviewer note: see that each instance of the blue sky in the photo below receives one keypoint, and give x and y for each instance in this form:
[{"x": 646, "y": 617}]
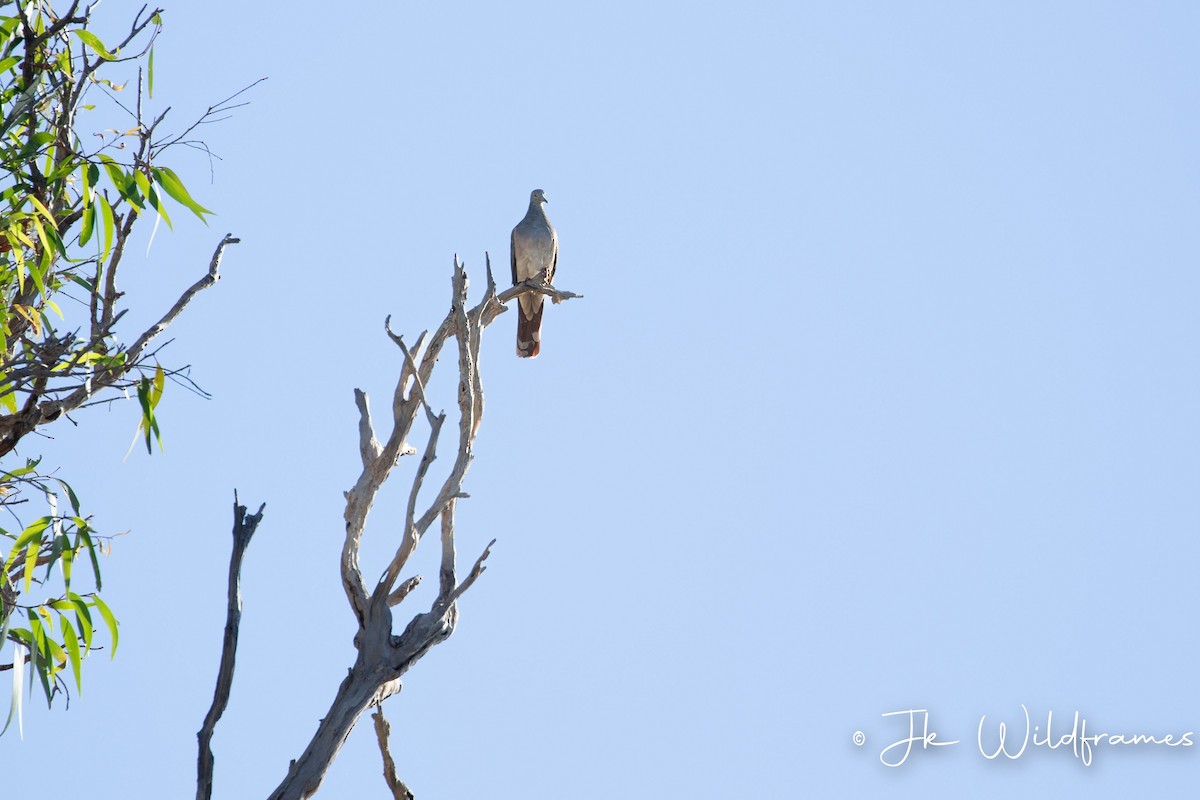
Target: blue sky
[{"x": 882, "y": 396}]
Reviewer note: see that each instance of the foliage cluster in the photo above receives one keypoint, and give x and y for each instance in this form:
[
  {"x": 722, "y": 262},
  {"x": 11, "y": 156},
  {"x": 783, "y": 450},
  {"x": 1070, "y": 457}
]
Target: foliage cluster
[{"x": 71, "y": 195}]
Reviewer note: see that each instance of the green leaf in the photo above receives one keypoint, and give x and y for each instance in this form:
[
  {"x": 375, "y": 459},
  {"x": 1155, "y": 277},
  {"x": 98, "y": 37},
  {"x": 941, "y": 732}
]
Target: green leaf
[
  {"x": 30, "y": 466},
  {"x": 150, "y": 72},
  {"x": 33, "y": 531},
  {"x": 31, "y": 563},
  {"x": 68, "y": 564},
  {"x": 8, "y": 27},
  {"x": 72, "y": 643},
  {"x": 143, "y": 183},
  {"x": 83, "y": 618},
  {"x": 55, "y": 242},
  {"x": 85, "y": 177},
  {"x": 57, "y": 656},
  {"x": 109, "y": 620},
  {"x": 93, "y": 41},
  {"x": 38, "y": 656},
  {"x": 175, "y": 189},
  {"x": 34, "y": 144},
  {"x": 149, "y": 393},
  {"x": 159, "y": 207},
  {"x": 147, "y": 424},
  {"x": 56, "y": 550},
  {"x": 127, "y": 185},
  {"x": 41, "y": 209},
  {"x": 48, "y": 620},
  {"x": 106, "y": 214},
  {"x": 91, "y": 546},
  {"x": 37, "y": 271},
  {"x": 9, "y": 63},
  {"x": 8, "y": 399},
  {"x": 70, "y": 495},
  {"x": 30, "y": 537}
]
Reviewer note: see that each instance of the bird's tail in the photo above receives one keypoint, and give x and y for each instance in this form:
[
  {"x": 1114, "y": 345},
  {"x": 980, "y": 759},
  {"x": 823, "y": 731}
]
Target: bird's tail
[{"x": 529, "y": 331}]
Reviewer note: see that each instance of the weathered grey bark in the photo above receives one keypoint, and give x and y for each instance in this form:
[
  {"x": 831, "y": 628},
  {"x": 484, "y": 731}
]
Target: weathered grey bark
[
  {"x": 384, "y": 657},
  {"x": 8, "y": 604},
  {"x": 244, "y": 526},
  {"x": 390, "y": 776}
]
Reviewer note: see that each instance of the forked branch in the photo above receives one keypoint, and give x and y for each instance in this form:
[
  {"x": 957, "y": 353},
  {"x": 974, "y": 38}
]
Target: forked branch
[
  {"x": 382, "y": 656},
  {"x": 14, "y": 426}
]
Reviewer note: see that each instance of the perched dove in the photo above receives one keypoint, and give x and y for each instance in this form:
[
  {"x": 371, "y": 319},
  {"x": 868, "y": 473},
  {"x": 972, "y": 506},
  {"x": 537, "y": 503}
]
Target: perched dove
[{"x": 534, "y": 249}]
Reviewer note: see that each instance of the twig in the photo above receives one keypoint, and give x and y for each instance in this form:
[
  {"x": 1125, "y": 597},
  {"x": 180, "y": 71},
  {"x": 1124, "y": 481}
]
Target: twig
[
  {"x": 216, "y": 108},
  {"x": 402, "y": 591},
  {"x": 476, "y": 571}
]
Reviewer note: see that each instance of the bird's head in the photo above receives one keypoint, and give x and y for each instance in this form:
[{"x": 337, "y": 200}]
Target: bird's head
[{"x": 538, "y": 196}]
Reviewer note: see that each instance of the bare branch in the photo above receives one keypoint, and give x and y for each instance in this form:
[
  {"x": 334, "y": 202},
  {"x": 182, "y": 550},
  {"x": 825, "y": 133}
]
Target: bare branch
[
  {"x": 476, "y": 571},
  {"x": 411, "y": 535},
  {"x": 537, "y": 285},
  {"x": 209, "y": 280},
  {"x": 408, "y": 371},
  {"x": 402, "y": 591},
  {"x": 382, "y": 656},
  {"x": 217, "y": 108},
  {"x": 71, "y": 402},
  {"x": 446, "y": 578},
  {"x": 244, "y": 526},
  {"x": 368, "y": 445},
  {"x": 357, "y": 506},
  {"x": 382, "y": 731},
  {"x": 14, "y": 426}
]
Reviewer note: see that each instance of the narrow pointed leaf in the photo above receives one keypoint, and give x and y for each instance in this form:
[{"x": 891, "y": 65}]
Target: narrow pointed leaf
[
  {"x": 143, "y": 183},
  {"x": 31, "y": 563},
  {"x": 87, "y": 224},
  {"x": 72, "y": 643},
  {"x": 91, "y": 546},
  {"x": 93, "y": 41},
  {"x": 176, "y": 191},
  {"x": 109, "y": 620},
  {"x": 83, "y": 618},
  {"x": 70, "y": 495},
  {"x": 158, "y": 206},
  {"x": 106, "y": 214}
]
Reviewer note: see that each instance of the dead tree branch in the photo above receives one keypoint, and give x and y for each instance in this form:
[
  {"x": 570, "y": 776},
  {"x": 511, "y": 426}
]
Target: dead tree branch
[
  {"x": 244, "y": 526},
  {"x": 382, "y": 731},
  {"x": 384, "y": 657}
]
